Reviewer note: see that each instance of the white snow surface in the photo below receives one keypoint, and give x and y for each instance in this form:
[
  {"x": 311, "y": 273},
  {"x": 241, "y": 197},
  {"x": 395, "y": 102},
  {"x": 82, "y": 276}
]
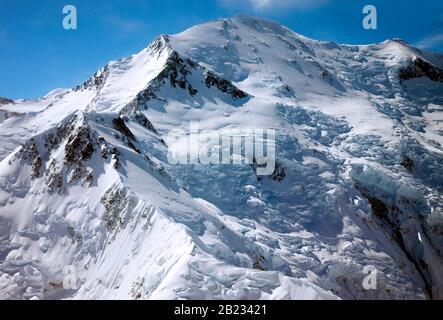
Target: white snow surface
[{"x": 360, "y": 149}]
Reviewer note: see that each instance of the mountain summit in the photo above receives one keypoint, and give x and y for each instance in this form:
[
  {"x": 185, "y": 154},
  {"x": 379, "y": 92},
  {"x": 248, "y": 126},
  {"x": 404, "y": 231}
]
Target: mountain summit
[{"x": 90, "y": 206}]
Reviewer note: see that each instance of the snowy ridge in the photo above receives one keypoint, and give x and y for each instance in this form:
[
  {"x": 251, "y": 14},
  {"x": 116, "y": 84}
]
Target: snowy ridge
[{"x": 85, "y": 181}]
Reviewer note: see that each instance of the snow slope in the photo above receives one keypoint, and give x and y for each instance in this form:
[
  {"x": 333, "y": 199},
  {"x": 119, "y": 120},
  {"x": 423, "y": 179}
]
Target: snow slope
[{"x": 86, "y": 185}]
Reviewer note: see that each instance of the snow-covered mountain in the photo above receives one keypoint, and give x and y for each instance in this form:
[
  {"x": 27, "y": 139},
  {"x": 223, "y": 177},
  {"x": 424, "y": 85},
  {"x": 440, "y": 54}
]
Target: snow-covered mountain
[{"x": 87, "y": 191}]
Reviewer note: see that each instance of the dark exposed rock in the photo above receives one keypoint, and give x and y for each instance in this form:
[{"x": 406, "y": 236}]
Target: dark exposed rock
[
  {"x": 158, "y": 43},
  {"x": 6, "y": 101},
  {"x": 79, "y": 143},
  {"x": 192, "y": 91},
  {"x": 420, "y": 68},
  {"x": 286, "y": 91},
  {"x": 96, "y": 81},
  {"x": 401, "y": 41},
  {"x": 77, "y": 174},
  {"x": 36, "y": 165},
  {"x": 71, "y": 231},
  {"x": 223, "y": 85},
  {"x": 408, "y": 163},
  {"x": 107, "y": 151},
  {"x": 133, "y": 147},
  {"x": 89, "y": 178},
  {"x": 140, "y": 102},
  {"x": 55, "y": 183},
  {"x": 259, "y": 263},
  {"x": 396, "y": 222},
  {"x": 119, "y": 125},
  {"x": 426, "y": 166},
  {"x": 116, "y": 159},
  {"x": 378, "y": 207},
  {"x": 80, "y": 146},
  {"x": 54, "y": 139},
  {"x": 87, "y": 151},
  {"x": 29, "y": 152},
  {"x": 79, "y": 149},
  {"x": 116, "y": 201},
  {"x": 141, "y": 119},
  {"x": 176, "y": 69},
  {"x": 279, "y": 173}
]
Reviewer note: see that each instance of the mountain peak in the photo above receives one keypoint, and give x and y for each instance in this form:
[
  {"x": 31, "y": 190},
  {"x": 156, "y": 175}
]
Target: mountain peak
[{"x": 6, "y": 101}]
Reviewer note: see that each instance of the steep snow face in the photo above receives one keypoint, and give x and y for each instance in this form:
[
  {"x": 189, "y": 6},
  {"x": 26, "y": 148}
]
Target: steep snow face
[
  {"x": 124, "y": 79},
  {"x": 90, "y": 206},
  {"x": 262, "y": 56}
]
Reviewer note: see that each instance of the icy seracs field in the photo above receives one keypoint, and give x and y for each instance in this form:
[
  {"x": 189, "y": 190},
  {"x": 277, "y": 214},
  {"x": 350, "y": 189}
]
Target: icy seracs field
[{"x": 85, "y": 181}]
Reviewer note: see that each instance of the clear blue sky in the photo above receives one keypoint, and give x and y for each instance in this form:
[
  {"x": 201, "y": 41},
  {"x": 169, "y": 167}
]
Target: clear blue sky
[{"x": 37, "y": 54}]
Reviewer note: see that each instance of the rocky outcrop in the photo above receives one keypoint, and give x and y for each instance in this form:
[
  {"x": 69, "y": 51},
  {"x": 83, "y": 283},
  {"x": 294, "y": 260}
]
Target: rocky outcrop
[
  {"x": 79, "y": 149},
  {"x": 78, "y": 143},
  {"x": 420, "y": 68},
  {"x": 96, "y": 81},
  {"x": 119, "y": 125},
  {"x": 29, "y": 153},
  {"x": 126, "y": 134},
  {"x": 408, "y": 163},
  {"x": 139, "y": 118},
  {"x": 401, "y": 211},
  {"x": 279, "y": 173},
  {"x": 6, "y": 101},
  {"x": 117, "y": 202},
  {"x": 223, "y": 85},
  {"x": 176, "y": 72},
  {"x": 159, "y": 43}
]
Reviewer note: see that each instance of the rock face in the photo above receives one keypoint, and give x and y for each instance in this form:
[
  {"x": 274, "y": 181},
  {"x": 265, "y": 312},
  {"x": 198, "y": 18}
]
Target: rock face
[
  {"x": 177, "y": 71},
  {"x": 421, "y": 68},
  {"x": 6, "y": 101},
  {"x": 87, "y": 182},
  {"x": 96, "y": 81},
  {"x": 224, "y": 86},
  {"x": 403, "y": 217}
]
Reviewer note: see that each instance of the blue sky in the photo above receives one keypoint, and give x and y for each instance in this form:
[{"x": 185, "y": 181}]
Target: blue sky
[{"x": 37, "y": 54}]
